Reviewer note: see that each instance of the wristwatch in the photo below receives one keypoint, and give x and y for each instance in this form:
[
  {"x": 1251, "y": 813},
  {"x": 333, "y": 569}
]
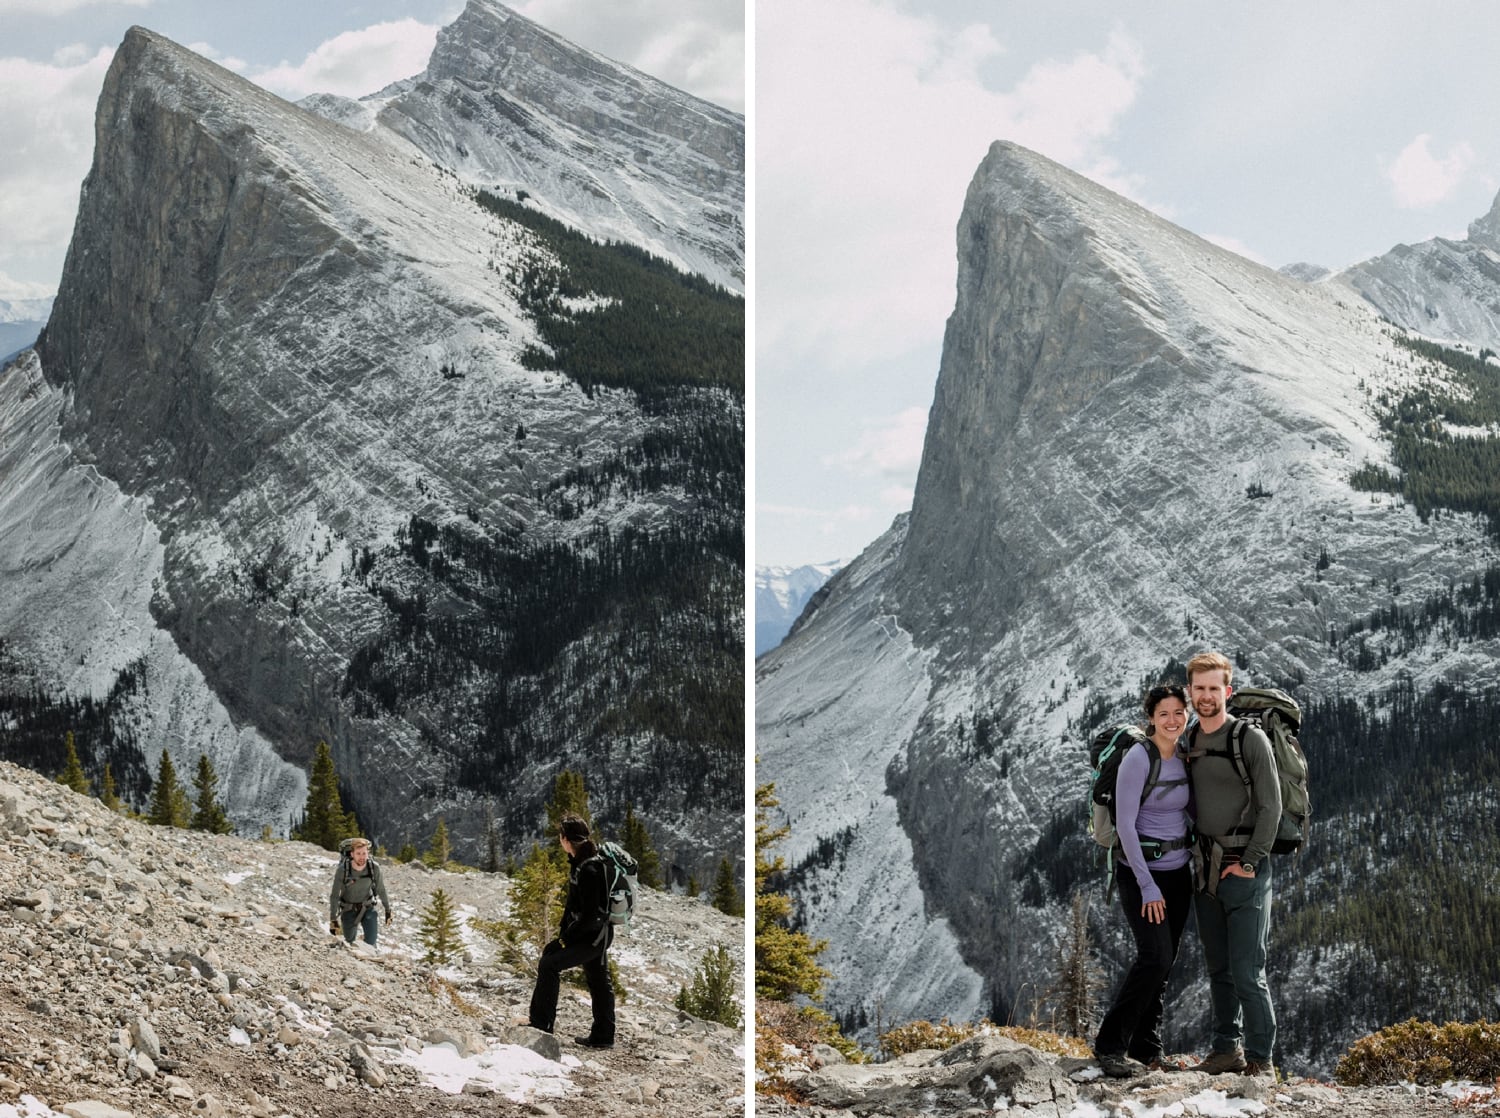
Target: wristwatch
[{"x": 1248, "y": 866}]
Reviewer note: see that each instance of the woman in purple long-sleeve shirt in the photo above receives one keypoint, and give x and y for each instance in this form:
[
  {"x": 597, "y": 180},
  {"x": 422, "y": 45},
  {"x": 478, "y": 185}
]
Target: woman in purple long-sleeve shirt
[{"x": 1156, "y": 885}]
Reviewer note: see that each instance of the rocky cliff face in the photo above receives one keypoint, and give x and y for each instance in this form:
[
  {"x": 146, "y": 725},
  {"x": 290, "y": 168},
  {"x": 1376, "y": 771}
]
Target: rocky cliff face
[
  {"x": 1140, "y": 446},
  {"x": 507, "y": 103},
  {"x": 282, "y": 402}
]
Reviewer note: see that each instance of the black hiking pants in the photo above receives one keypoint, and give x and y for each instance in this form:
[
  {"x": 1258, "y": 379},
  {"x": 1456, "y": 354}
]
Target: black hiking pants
[
  {"x": 593, "y": 959},
  {"x": 1133, "y": 1024}
]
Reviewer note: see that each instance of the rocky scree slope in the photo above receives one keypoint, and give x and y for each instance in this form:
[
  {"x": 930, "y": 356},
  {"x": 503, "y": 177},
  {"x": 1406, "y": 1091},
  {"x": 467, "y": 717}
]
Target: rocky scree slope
[
  {"x": 991, "y": 1073},
  {"x": 159, "y": 971},
  {"x": 1140, "y": 446},
  {"x": 512, "y": 106},
  {"x": 278, "y": 472}
]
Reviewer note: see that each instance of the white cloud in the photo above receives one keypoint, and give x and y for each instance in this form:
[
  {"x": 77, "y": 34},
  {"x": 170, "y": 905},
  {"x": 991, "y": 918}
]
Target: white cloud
[
  {"x": 14, "y": 289},
  {"x": 356, "y": 62},
  {"x": 694, "y": 45},
  {"x": 864, "y": 144},
  {"x": 1419, "y": 178},
  {"x": 47, "y": 134},
  {"x": 890, "y": 447}
]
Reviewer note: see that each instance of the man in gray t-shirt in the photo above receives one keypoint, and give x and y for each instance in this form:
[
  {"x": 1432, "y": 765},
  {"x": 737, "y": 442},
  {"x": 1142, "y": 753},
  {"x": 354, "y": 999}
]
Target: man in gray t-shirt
[{"x": 1236, "y": 824}]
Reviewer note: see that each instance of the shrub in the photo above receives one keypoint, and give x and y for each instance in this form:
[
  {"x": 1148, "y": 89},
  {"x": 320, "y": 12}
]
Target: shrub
[
  {"x": 712, "y": 994},
  {"x": 1421, "y": 1052},
  {"x": 914, "y": 1036},
  {"x": 784, "y": 1035}
]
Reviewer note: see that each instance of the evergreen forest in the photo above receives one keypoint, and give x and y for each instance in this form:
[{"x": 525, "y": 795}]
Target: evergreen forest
[
  {"x": 1443, "y": 439},
  {"x": 652, "y": 329}
]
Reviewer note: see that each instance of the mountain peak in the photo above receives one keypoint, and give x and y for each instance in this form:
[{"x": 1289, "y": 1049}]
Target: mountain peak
[{"x": 1485, "y": 231}]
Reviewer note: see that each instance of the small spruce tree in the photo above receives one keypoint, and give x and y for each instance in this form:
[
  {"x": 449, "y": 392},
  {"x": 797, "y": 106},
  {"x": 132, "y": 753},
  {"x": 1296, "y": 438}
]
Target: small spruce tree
[
  {"x": 693, "y": 888},
  {"x": 169, "y": 800},
  {"x": 72, "y": 775},
  {"x": 537, "y": 895},
  {"x": 407, "y": 853},
  {"x": 1078, "y": 978},
  {"x": 726, "y": 896},
  {"x": 711, "y": 995},
  {"x": 325, "y": 823},
  {"x": 439, "y": 931},
  {"x": 785, "y": 961},
  {"x": 110, "y": 796},
  {"x": 209, "y": 815},
  {"x": 637, "y": 840},
  {"x": 439, "y": 850}
]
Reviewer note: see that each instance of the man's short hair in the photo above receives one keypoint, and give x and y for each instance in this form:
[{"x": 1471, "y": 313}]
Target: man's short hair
[{"x": 1209, "y": 662}]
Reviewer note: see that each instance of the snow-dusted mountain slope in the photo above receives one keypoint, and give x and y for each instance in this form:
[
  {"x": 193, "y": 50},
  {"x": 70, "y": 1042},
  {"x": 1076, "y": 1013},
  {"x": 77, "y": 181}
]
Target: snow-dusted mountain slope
[
  {"x": 1441, "y": 288},
  {"x": 780, "y": 595},
  {"x": 1141, "y": 446},
  {"x": 513, "y": 107},
  {"x": 298, "y": 464}
]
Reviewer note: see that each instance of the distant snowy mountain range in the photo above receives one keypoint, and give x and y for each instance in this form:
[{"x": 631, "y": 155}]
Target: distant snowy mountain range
[
  {"x": 780, "y": 595},
  {"x": 21, "y": 320}
]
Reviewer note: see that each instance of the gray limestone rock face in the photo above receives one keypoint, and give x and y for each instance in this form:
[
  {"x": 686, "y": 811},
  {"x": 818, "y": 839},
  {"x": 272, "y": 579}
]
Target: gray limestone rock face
[
  {"x": 508, "y": 102},
  {"x": 242, "y": 381}
]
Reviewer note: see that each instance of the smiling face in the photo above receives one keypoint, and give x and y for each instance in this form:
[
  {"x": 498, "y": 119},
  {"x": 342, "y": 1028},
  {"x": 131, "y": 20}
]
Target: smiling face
[
  {"x": 1209, "y": 691},
  {"x": 359, "y": 856},
  {"x": 1169, "y": 718}
]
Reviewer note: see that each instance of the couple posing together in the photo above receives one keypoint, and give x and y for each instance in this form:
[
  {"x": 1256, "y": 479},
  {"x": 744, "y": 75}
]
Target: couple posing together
[{"x": 1223, "y": 873}]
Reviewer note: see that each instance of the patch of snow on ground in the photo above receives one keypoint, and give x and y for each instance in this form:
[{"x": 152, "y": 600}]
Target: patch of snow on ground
[
  {"x": 237, "y": 877},
  {"x": 517, "y": 1073}
]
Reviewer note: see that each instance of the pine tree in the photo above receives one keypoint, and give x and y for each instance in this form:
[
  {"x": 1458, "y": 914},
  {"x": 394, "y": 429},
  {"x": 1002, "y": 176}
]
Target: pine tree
[
  {"x": 726, "y": 895},
  {"x": 110, "y": 797},
  {"x": 637, "y": 841},
  {"x": 568, "y": 795},
  {"x": 439, "y": 850},
  {"x": 785, "y": 961},
  {"x": 73, "y": 775},
  {"x": 439, "y": 931},
  {"x": 407, "y": 853},
  {"x": 1078, "y": 979},
  {"x": 693, "y": 888},
  {"x": 325, "y": 823},
  {"x": 712, "y": 993},
  {"x": 537, "y": 896},
  {"x": 209, "y": 815},
  {"x": 169, "y": 800}
]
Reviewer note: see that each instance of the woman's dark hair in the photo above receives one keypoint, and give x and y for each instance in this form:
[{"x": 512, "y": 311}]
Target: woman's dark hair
[
  {"x": 573, "y": 828},
  {"x": 1163, "y": 691}
]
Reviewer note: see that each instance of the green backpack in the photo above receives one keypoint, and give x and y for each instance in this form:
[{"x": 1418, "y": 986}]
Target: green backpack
[{"x": 1279, "y": 717}]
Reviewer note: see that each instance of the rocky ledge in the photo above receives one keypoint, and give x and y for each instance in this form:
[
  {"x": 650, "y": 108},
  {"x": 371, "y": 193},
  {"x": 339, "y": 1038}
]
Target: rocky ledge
[
  {"x": 994, "y": 1074},
  {"x": 146, "y": 971}
]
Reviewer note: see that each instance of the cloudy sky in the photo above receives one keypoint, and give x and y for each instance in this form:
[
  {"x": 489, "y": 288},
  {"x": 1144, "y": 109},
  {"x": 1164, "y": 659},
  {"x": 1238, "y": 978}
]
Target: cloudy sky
[
  {"x": 54, "y": 54},
  {"x": 1284, "y": 130}
]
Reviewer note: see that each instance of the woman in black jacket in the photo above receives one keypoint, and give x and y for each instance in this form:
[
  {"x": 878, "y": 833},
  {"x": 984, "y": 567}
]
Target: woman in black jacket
[{"x": 583, "y": 940}]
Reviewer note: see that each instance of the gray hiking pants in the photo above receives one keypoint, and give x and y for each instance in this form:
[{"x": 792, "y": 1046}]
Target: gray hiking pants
[{"x": 1235, "y": 927}]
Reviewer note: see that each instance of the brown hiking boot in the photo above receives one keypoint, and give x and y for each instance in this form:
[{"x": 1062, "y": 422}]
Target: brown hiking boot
[
  {"x": 1218, "y": 1063},
  {"x": 1257, "y": 1067},
  {"x": 1117, "y": 1065}
]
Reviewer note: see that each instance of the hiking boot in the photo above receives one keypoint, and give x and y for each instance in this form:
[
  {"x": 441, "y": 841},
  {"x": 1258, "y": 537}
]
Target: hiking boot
[
  {"x": 590, "y": 1042},
  {"x": 1170, "y": 1063},
  {"x": 1117, "y": 1065},
  {"x": 1218, "y": 1063},
  {"x": 1259, "y": 1067}
]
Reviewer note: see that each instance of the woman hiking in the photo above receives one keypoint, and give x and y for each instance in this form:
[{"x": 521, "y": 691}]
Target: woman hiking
[{"x": 1156, "y": 883}]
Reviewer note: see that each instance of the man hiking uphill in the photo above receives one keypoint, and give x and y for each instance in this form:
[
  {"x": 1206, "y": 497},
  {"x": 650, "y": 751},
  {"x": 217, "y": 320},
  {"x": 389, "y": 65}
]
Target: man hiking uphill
[
  {"x": 357, "y": 882},
  {"x": 1239, "y": 808},
  {"x": 583, "y": 940}
]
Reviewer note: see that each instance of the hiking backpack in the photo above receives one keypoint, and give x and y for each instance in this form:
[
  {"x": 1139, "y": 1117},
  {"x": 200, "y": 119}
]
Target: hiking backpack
[
  {"x": 1279, "y": 717},
  {"x": 620, "y": 877},
  {"x": 1105, "y": 754}
]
